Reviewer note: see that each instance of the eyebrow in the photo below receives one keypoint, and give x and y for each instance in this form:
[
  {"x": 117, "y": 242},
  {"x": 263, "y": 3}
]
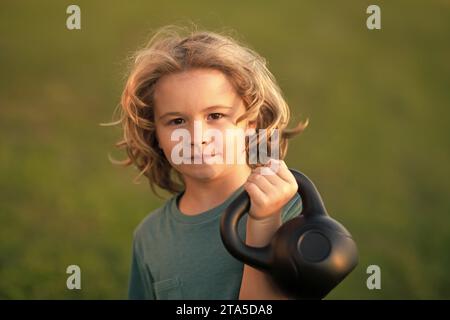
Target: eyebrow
[{"x": 175, "y": 113}]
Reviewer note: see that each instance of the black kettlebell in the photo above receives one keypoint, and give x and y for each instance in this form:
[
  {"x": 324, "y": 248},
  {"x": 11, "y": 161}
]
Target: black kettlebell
[{"x": 307, "y": 257}]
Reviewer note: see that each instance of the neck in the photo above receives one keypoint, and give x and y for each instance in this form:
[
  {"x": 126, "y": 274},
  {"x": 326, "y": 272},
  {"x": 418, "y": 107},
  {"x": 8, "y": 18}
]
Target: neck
[{"x": 200, "y": 196}]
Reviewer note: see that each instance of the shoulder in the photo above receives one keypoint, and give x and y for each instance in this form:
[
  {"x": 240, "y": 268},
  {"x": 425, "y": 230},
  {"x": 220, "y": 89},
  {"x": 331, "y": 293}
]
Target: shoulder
[{"x": 151, "y": 223}]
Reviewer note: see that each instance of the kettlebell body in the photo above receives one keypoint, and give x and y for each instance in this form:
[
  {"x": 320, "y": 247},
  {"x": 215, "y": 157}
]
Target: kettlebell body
[{"x": 307, "y": 257}]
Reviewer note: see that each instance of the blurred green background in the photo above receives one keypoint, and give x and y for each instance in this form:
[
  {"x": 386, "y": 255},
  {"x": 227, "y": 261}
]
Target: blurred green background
[{"x": 377, "y": 146}]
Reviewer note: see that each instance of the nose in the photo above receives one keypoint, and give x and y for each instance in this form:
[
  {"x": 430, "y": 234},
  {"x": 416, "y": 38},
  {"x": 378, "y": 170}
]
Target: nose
[
  {"x": 199, "y": 139},
  {"x": 197, "y": 148}
]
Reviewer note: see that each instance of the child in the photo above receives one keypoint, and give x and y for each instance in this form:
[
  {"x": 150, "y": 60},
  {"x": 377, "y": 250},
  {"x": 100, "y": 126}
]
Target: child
[{"x": 209, "y": 80}]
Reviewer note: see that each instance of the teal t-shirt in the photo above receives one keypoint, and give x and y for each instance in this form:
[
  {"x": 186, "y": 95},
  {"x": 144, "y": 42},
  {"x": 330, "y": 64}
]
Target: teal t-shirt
[{"x": 177, "y": 256}]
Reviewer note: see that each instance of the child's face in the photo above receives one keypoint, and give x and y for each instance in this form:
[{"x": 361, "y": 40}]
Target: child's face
[{"x": 207, "y": 97}]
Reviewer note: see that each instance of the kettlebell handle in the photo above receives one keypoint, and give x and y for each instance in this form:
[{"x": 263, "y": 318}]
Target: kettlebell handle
[{"x": 312, "y": 204}]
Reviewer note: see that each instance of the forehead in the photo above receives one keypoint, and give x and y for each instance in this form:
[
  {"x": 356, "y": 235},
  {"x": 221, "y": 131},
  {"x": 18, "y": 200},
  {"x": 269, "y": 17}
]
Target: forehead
[{"x": 194, "y": 89}]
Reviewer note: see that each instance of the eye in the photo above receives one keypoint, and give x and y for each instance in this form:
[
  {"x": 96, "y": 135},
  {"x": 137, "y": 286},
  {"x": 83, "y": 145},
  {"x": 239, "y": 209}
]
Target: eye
[
  {"x": 176, "y": 121},
  {"x": 216, "y": 115}
]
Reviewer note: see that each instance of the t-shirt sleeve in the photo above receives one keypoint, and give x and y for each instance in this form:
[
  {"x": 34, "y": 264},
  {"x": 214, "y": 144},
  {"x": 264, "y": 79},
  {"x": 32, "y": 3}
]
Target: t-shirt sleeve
[
  {"x": 292, "y": 209},
  {"x": 140, "y": 285}
]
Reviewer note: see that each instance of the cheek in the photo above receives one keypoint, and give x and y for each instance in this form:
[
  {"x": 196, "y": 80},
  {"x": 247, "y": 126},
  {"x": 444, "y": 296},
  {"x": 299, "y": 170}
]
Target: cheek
[
  {"x": 167, "y": 145},
  {"x": 233, "y": 138},
  {"x": 163, "y": 137}
]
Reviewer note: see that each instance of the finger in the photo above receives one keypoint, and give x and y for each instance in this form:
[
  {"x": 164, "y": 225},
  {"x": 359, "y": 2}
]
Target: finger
[
  {"x": 273, "y": 178},
  {"x": 261, "y": 181},
  {"x": 255, "y": 193},
  {"x": 278, "y": 168},
  {"x": 283, "y": 171}
]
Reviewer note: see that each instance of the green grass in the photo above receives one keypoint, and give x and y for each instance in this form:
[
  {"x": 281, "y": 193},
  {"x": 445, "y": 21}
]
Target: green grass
[{"x": 377, "y": 146}]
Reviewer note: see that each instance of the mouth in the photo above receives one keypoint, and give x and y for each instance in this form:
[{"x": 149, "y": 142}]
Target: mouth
[{"x": 202, "y": 157}]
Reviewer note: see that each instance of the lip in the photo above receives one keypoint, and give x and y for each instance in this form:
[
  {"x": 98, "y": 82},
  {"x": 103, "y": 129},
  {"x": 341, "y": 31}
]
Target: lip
[{"x": 205, "y": 156}]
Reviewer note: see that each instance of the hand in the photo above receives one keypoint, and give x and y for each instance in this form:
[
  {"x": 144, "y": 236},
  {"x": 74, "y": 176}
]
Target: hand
[{"x": 270, "y": 188}]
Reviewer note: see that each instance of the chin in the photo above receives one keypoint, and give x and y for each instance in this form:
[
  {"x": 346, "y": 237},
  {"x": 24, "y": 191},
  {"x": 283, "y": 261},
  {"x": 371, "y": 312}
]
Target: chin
[{"x": 202, "y": 171}]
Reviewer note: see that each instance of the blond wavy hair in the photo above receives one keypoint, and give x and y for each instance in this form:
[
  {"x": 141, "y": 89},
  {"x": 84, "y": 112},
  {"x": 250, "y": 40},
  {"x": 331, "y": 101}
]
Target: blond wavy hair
[{"x": 174, "y": 49}]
